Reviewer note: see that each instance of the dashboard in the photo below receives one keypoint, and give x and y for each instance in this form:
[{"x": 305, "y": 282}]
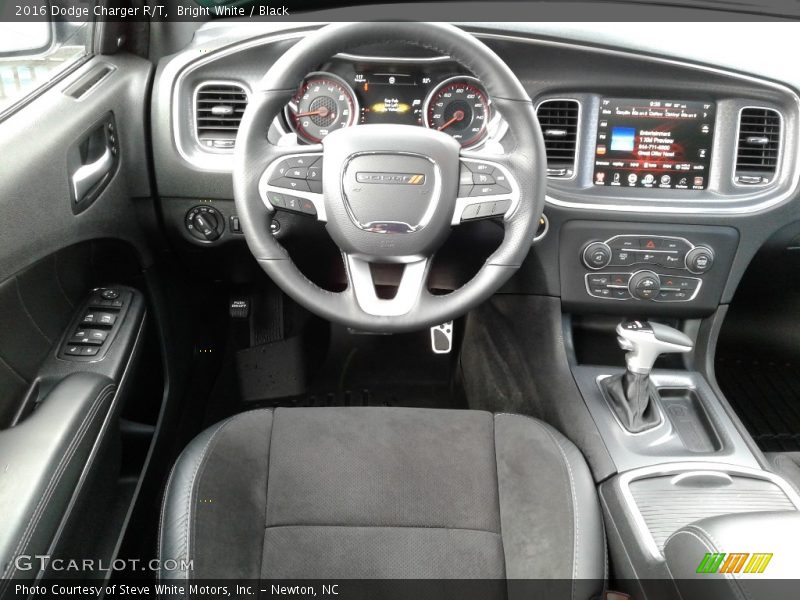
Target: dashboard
[{"x": 664, "y": 175}]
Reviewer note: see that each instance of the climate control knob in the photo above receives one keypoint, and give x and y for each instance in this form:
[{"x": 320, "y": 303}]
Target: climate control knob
[
  {"x": 699, "y": 259},
  {"x": 596, "y": 255},
  {"x": 644, "y": 285}
]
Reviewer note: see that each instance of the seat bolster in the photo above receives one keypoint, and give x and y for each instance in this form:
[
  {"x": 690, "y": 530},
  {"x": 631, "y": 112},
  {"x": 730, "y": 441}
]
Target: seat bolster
[
  {"x": 552, "y": 524},
  {"x": 177, "y": 506},
  {"x": 212, "y": 518}
]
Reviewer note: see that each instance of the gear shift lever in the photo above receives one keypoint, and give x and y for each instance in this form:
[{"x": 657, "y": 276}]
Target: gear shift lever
[{"x": 631, "y": 394}]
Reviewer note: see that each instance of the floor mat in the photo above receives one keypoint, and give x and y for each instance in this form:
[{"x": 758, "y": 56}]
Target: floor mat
[{"x": 766, "y": 396}]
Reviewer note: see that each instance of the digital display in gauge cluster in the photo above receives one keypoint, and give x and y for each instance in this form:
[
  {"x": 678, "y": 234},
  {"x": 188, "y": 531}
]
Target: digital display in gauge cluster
[
  {"x": 373, "y": 93},
  {"x": 654, "y": 144},
  {"x": 390, "y": 97}
]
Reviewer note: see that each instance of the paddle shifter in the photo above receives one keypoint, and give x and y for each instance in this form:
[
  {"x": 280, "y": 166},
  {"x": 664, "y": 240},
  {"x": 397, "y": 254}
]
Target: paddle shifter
[{"x": 632, "y": 393}]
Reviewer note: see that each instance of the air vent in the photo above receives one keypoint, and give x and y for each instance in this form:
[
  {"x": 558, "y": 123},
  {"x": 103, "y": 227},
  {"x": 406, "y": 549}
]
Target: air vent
[
  {"x": 758, "y": 146},
  {"x": 218, "y": 110},
  {"x": 559, "y": 122}
]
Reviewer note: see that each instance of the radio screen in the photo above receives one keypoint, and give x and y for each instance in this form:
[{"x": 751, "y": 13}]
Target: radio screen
[{"x": 654, "y": 144}]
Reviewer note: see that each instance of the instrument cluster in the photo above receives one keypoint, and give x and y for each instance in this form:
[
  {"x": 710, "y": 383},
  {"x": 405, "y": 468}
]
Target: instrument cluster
[{"x": 435, "y": 93}]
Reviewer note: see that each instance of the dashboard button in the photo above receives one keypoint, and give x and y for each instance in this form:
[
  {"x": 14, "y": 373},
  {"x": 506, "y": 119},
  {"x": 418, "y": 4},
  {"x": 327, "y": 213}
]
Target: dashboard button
[
  {"x": 598, "y": 280},
  {"x": 671, "y": 261},
  {"x": 621, "y": 258},
  {"x": 620, "y": 279},
  {"x": 651, "y": 243},
  {"x": 621, "y": 294}
]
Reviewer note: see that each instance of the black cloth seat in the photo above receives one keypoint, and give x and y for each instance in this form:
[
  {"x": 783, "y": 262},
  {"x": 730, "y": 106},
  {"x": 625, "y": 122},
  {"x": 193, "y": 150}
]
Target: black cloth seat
[{"x": 383, "y": 493}]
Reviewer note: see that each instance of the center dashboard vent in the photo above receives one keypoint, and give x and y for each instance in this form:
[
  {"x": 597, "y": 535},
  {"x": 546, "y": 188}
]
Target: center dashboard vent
[
  {"x": 758, "y": 146},
  {"x": 559, "y": 122},
  {"x": 218, "y": 112}
]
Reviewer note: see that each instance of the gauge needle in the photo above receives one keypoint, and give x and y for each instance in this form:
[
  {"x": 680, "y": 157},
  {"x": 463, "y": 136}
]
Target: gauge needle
[
  {"x": 322, "y": 111},
  {"x": 457, "y": 116}
]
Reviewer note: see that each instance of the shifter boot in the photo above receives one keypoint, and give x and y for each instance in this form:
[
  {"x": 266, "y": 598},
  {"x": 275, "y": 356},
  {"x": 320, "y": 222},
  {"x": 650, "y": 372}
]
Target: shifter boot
[{"x": 632, "y": 397}]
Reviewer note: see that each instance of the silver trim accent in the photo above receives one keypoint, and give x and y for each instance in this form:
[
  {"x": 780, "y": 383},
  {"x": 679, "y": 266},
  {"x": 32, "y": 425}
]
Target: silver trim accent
[
  {"x": 463, "y": 201},
  {"x": 665, "y": 470},
  {"x": 198, "y": 88},
  {"x": 402, "y": 59},
  {"x": 386, "y": 226},
  {"x": 354, "y": 120},
  {"x": 578, "y": 136},
  {"x": 263, "y": 185},
  {"x": 408, "y": 292},
  {"x": 782, "y": 138},
  {"x": 665, "y": 208},
  {"x": 484, "y": 136}
]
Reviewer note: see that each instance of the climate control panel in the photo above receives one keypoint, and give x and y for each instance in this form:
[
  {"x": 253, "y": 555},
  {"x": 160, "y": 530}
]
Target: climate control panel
[
  {"x": 644, "y": 268},
  {"x": 658, "y": 251}
]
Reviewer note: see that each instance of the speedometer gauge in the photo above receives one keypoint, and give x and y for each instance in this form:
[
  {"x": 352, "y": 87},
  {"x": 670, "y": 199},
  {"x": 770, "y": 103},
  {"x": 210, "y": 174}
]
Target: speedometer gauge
[
  {"x": 324, "y": 103},
  {"x": 459, "y": 107}
]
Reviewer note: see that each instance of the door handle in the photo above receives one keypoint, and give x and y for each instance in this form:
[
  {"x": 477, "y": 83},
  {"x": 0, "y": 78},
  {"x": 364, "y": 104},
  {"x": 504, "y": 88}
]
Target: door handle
[{"x": 89, "y": 175}]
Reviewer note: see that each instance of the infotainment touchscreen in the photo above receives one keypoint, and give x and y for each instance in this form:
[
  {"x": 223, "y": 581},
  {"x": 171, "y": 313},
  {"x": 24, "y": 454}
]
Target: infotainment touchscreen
[{"x": 654, "y": 144}]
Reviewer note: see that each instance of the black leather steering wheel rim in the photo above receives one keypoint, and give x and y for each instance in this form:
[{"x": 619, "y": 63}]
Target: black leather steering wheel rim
[{"x": 525, "y": 160}]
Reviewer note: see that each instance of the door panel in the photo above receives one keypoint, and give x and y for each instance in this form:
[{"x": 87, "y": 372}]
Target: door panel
[{"x": 36, "y": 205}]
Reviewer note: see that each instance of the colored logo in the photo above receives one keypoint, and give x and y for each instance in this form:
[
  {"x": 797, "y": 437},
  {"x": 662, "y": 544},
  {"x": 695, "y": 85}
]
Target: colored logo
[
  {"x": 391, "y": 178},
  {"x": 742, "y": 562}
]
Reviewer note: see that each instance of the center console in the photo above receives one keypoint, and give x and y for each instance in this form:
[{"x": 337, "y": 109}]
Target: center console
[{"x": 682, "y": 468}]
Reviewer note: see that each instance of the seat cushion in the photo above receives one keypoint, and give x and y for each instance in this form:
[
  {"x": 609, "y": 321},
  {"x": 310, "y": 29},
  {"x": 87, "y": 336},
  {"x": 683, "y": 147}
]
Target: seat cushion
[{"x": 382, "y": 493}]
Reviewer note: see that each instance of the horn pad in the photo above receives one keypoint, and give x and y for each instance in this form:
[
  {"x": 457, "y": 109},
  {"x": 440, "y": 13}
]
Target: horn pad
[{"x": 390, "y": 190}]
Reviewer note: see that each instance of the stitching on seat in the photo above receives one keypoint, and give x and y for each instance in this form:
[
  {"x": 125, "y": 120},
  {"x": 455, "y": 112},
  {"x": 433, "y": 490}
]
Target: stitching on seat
[
  {"x": 497, "y": 483},
  {"x": 575, "y": 515},
  {"x": 266, "y": 490},
  {"x": 162, "y": 517},
  {"x": 56, "y": 478}
]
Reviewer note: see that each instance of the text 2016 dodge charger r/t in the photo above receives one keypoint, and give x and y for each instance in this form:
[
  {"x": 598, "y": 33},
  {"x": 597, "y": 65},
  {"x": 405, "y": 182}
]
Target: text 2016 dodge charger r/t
[{"x": 399, "y": 309}]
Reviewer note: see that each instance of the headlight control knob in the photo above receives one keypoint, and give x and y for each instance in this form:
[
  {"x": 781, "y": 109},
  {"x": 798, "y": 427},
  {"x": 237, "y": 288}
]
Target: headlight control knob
[
  {"x": 205, "y": 223},
  {"x": 596, "y": 255}
]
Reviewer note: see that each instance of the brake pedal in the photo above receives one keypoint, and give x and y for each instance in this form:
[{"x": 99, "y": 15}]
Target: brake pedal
[{"x": 442, "y": 338}]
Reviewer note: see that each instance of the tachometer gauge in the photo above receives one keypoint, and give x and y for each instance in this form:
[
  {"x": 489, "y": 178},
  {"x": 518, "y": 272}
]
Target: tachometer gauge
[
  {"x": 459, "y": 107},
  {"x": 324, "y": 103}
]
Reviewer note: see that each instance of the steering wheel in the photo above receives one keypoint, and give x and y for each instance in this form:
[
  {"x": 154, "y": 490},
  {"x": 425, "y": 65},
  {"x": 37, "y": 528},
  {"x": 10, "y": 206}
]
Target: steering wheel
[{"x": 389, "y": 193}]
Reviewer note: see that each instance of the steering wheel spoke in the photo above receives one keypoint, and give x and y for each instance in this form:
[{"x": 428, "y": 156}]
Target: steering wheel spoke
[
  {"x": 292, "y": 181},
  {"x": 487, "y": 188},
  {"x": 409, "y": 291}
]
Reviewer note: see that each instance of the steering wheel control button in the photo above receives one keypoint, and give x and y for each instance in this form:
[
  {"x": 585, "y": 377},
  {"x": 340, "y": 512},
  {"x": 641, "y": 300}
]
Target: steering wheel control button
[
  {"x": 699, "y": 259},
  {"x": 297, "y": 173},
  {"x": 501, "y": 207},
  {"x": 470, "y": 211},
  {"x": 297, "y": 185},
  {"x": 205, "y": 223},
  {"x": 597, "y": 255}
]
